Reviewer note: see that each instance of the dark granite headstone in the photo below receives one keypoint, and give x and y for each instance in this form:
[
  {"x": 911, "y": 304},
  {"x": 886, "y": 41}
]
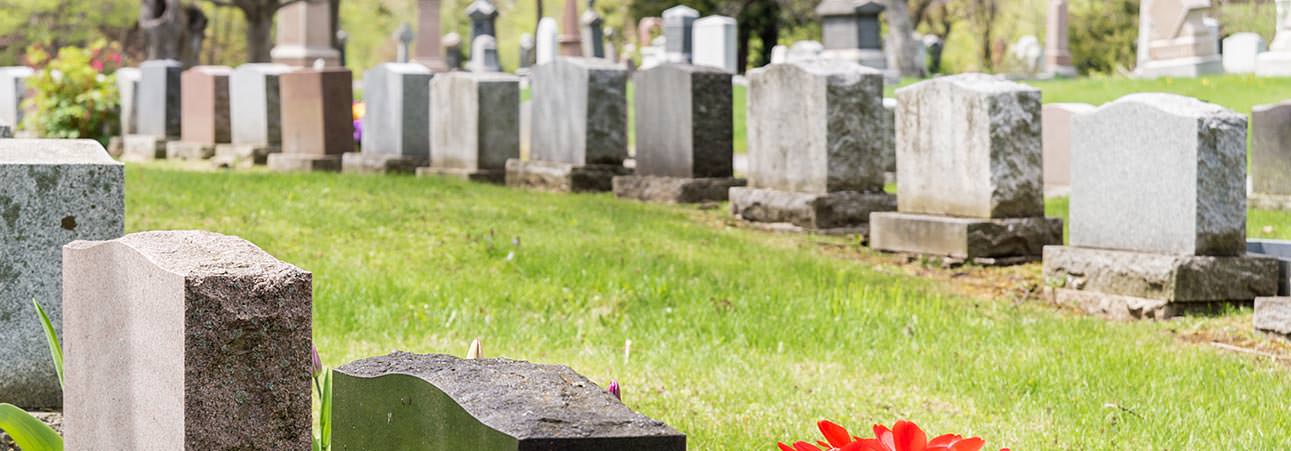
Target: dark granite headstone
[
  {"x": 683, "y": 121},
  {"x": 158, "y": 104}
]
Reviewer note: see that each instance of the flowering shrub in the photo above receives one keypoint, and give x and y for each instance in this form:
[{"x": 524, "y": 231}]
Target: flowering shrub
[
  {"x": 358, "y": 109},
  {"x": 904, "y": 436},
  {"x": 73, "y": 95}
]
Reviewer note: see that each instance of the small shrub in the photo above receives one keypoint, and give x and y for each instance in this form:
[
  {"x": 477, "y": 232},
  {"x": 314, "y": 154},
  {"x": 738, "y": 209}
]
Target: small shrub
[
  {"x": 1104, "y": 36},
  {"x": 74, "y": 94}
]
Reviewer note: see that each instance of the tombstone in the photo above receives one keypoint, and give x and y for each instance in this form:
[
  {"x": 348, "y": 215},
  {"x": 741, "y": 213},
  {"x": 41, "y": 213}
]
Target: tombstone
[
  {"x": 433, "y": 402},
  {"x": 715, "y": 43},
  {"x": 548, "y": 41},
  {"x": 1271, "y": 156},
  {"x": 128, "y": 89},
  {"x": 404, "y": 36},
  {"x": 304, "y": 35},
  {"x": 483, "y": 16},
  {"x": 158, "y": 113},
  {"x": 677, "y": 24},
  {"x": 453, "y": 51},
  {"x": 654, "y": 54},
  {"x": 580, "y": 127},
  {"x": 396, "y": 138},
  {"x": 255, "y": 109},
  {"x": 850, "y": 30},
  {"x": 6, "y": 131},
  {"x": 1056, "y": 136},
  {"x": 684, "y": 145},
  {"x": 204, "y": 113},
  {"x": 814, "y": 147},
  {"x": 1273, "y": 314},
  {"x": 475, "y": 125},
  {"x": 779, "y": 54},
  {"x": 1158, "y": 212},
  {"x": 1277, "y": 61},
  {"x": 970, "y": 173},
  {"x": 1057, "y": 59},
  {"x": 52, "y": 192},
  {"x": 484, "y": 55},
  {"x": 174, "y": 332},
  {"x": 13, "y": 91},
  {"x": 1028, "y": 54},
  {"x": 805, "y": 51},
  {"x": 593, "y": 34},
  {"x": 317, "y": 121},
  {"x": 427, "y": 51},
  {"x": 570, "y": 38},
  {"x": 1241, "y": 51},
  {"x": 1279, "y": 249},
  {"x": 527, "y": 53},
  {"x": 1179, "y": 40}
]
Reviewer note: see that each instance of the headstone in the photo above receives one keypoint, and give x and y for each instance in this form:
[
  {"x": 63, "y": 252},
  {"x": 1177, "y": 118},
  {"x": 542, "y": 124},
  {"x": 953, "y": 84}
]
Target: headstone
[
  {"x": 453, "y": 51},
  {"x": 715, "y": 43},
  {"x": 52, "y": 192},
  {"x": 1240, "y": 52},
  {"x": 1277, "y": 61},
  {"x": 1271, "y": 156},
  {"x": 548, "y": 41},
  {"x": 483, "y": 15},
  {"x": 851, "y": 31},
  {"x": 527, "y": 51},
  {"x": 404, "y": 36},
  {"x": 684, "y": 145},
  {"x": 779, "y": 54},
  {"x": 317, "y": 122},
  {"x": 157, "y": 113},
  {"x": 677, "y": 24},
  {"x": 593, "y": 34},
  {"x": 570, "y": 38},
  {"x": 255, "y": 108},
  {"x": 304, "y": 35},
  {"x": 428, "y": 402},
  {"x": 654, "y": 54},
  {"x": 1158, "y": 211},
  {"x": 428, "y": 51},
  {"x": 128, "y": 89},
  {"x": 194, "y": 340},
  {"x": 1279, "y": 249},
  {"x": 1028, "y": 53},
  {"x": 814, "y": 146},
  {"x": 579, "y": 126},
  {"x": 1057, "y": 59},
  {"x": 13, "y": 91},
  {"x": 802, "y": 51},
  {"x": 395, "y": 127},
  {"x": 6, "y": 131},
  {"x": 1057, "y": 143},
  {"x": 475, "y": 125},
  {"x": 969, "y": 171},
  {"x": 204, "y": 113},
  {"x": 484, "y": 55},
  {"x": 1179, "y": 40}
]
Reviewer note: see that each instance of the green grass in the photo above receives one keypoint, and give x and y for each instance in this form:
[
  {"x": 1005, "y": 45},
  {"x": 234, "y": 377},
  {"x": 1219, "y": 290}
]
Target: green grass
[{"x": 739, "y": 338}]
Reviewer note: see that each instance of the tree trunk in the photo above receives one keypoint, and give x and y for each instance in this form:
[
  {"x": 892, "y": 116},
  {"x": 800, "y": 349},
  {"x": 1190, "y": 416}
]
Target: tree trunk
[
  {"x": 904, "y": 50},
  {"x": 162, "y": 21},
  {"x": 258, "y": 33}
]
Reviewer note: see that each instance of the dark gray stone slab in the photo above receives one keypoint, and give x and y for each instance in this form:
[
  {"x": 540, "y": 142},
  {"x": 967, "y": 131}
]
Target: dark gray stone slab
[
  {"x": 965, "y": 238},
  {"x": 563, "y": 177},
  {"x": 159, "y": 103},
  {"x": 397, "y": 120},
  {"x": 52, "y": 192},
  {"x": 1280, "y": 250},
  {"x": 1273, "y": 315},
  {"x": 680, "y": 190},
  {"x": 836, "y": 210},
  {"x": 580, "y": 112},
  {"x": 678, "y": 21},
  {"x": 255, "y": 104},
  {"x": 683, "y": 121},
  {"x": 1171, "y": 278},
  {"x": 433, "y": 402},
  {"x": 475, "y": 121}
]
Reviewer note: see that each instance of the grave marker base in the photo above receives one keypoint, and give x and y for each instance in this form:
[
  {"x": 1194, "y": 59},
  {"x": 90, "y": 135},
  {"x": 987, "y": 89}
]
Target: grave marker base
[
  {"x": 563, "y": 177},
  {"x": 1182, "y": 67},
  {"x": 180, "y": 150},
  {"x": 966, "y": 238},
  {"x": 840, "y": 212},
  {"x": 1118, "y": 307},
  {"x": 143, "y": 148},
  {"x": 677, "y": 190},
  {"x": 496, "y": 176},
  {"x": 287, "y": 162},
  {"x": 243, "y": 155},
  {"x": 1273, "y": 315},
  {"x": 1273, "y": 64},
  {"x": 360, "y": 163},
  {"x": 1268, "y": 201}
]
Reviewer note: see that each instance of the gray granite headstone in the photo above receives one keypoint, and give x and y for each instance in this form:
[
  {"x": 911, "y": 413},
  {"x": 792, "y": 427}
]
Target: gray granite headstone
[
  {"x": 677, "y": 24},
  {"x": 683, "y": 121},
  {"x": 851, "y": 24},
  {"x": 579, "y": 112},
  {"x": 484, "y": 55},
  {"x": 12, "y": 92},
  {"x": 52, "y": 192},
  {"x": 1159, "y": 173},
  {"x": 128, "y": 90},
  {"x": 430, "y": 402},
  {"x": 255, "y": 105},
  {"x": 593, "y": 34},
  {"x": 1271, "y": 149},
  {"x": 159, "y": 96},
  {"x": 476, "y": 120},
  {"x": 453, "y": 51},
  {"x": 398, "y": 110},
  {"x": 483, "y": 15}
]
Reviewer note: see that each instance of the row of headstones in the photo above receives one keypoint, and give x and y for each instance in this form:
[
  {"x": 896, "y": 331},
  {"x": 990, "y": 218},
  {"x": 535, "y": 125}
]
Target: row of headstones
[{"x": 196, "y": 340}]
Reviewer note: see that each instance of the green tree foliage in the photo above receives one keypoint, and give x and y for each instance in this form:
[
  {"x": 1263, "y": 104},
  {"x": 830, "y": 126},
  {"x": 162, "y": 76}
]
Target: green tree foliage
[
  {"x": 56, "y": 23},
  {"x": 1103, "y": 35}
]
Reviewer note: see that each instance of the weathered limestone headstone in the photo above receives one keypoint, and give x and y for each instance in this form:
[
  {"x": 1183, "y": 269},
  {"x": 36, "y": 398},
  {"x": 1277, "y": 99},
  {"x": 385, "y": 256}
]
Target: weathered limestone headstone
[
  {"x": 1240, "y": 52},
  {"x": 969, "y": 172},
  {"x": 1178, "y": 39},
  {"x": 851, "y": 31},
  {"x": 548, "y": 41},
  {"x": 427, "y": 51},
  {"x": 1271, "y": 156},
  {"x": 715, "y": 43},
  {"x": 453, "y": 51},
  {"x": 317, "y": 124},
  {"x": 815, "y": 146},
  {"x": 570, "y": 39},
  {"x": 1277, "y": 61},
  {"x": 1057, "y": 59},
  {"x": 484, "y": 55},
  {"x": 1158, "y": 211},
  {"x": 677, "y": 24},
  {"x": 804, "y": 51},
  {"x": 128, "y": 89},
  {"x": 12, "y": 92},
  {"x": 304, "y": 35},
  {"x": 475, "y": 125},
  {"x": 1057, "y": 142},
  {"x": 159, "y": 110},
  {"x": 52, "y": 192},
  {"x": 428, "y": 402},
  {"x": 592, "y": 33},
  {"x": 204, "y": 113},
  {"x": 684, "y": 136},
  {"x": 193, "y": 340},
  {"x": 255, "y": 108},
  {"x": 395, "y": 134},
  {"x": 580, "y": 127},
  {"x": 483, "y": 15}
]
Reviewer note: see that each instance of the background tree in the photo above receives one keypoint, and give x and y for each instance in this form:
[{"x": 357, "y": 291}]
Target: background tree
[{"x": 259, "y": 15}]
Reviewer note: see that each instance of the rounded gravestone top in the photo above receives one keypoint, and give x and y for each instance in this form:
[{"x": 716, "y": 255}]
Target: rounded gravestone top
[
  {"x": 200, "y": 253},
  {"x": 680, "y": 11},
  {"x": 977, "y": 82},
  {"x": 53, "y": 152},
  {"x": 1172, "y": 103}
]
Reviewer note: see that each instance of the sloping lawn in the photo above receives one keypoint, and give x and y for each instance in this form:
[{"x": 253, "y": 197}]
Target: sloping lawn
[{"x": 738, "y": 338}]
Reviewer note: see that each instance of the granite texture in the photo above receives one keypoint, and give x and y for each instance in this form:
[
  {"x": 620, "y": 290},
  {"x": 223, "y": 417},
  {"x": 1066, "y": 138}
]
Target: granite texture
[
  {"x": 1172, "y": 278},
  {"x": 204, "y": 105},
  {"x": 683, "y": 121},
  {"x": 1120, "y": 307},
  {"x": 159, "y": 104},
  {"x": 255, "y": 105},
  {"x": 1279, "y": 249},
  {"x": 52, "y": 192},
  {"x": 677, "y": 190},
  {"x": 475, "y": 120},
  {"x": 965, "y": 238},
  {"x": 193, "y": 340},
  {"x": 1159, "y": 173},
  {"x": 397, "y": 96},
  {"x": 969, "y": 145},
  {"x": 1273, "y": 315},
  {"x": 815, "y": 127},
  {"x": 580, "y": 112},
  {"x": 835, "y": 210},
  {"x": 436, "y": 402},
  {"x": 1057, "y": 141},
  {"x": 562, "y": 177},
  {"x": 317, "y": 118},
  {"x": 1271, "y": 149},
  {"x": 143, "y": 148}
]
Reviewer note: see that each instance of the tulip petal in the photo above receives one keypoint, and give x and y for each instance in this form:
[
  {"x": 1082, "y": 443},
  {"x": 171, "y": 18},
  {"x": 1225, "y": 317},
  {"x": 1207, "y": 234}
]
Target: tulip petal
[
  {"x": 835, "y": 434},
  {"x": 804, "y": 446},
  {"x": 883, "y": 435},
  {"x": 908, "y": 436},
  {"x": 969, "y": 444},
  {"x": 784, "y": 447}
]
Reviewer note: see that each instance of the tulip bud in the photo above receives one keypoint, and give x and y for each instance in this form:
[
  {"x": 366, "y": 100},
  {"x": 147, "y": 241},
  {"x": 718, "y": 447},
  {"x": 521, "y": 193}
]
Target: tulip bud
[
  {"x": 615, "y": 390},
  {"x": 475, "y": 352},
  {"x": 315, "y": 362}
]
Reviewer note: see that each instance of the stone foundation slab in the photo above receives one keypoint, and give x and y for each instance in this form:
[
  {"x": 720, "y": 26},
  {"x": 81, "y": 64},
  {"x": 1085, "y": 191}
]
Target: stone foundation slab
[
  {"x": 475, "y": 175},
  {"x": 143, "y": 148},
  {"x": 360, "y": 163},
  {"x": 816, "y": 212},
  {"x": 288, "y": 162},
  {"x": 1160, "y": 277},
  {"x": 562, "y": 177},
  {"x": 242, "y": 155},
  {"x": 181, "y": 150},
  {"x": 677, "y": 190},
  {"x": 963, "y": 238}
]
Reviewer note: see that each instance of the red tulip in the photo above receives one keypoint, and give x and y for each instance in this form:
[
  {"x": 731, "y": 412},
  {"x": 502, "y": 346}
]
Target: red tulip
[{"x": 904, "y": 436}]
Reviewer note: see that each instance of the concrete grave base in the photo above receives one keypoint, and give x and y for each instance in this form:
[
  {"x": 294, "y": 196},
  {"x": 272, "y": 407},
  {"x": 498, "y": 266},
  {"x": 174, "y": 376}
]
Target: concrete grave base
[
  {"x": 562, "y": 177},
  {"x": 679, "y": 190},
  {"x": 116, "y": 145},
  {"x": 1273, "y": 64},
  {"x": 1182, "y": 67},
  {"x": 1004, "y": 239},
  {"x": 1120, "y": 307},
  {"x": 1268, "y": 202},
  {"x": 1273, "y": 315},
  {"x": 242, "y": 155},
  {"x": 360, "y": 163},
  {"x": 475, "y": 175},
  {"x": 143, "y": 148},
  {"x": 838, "y": 212},
  {"x": 180, "y": 150},
  {"x": 287, "y": 162}
]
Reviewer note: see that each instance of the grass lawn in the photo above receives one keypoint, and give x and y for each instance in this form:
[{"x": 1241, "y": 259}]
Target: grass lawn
[{"x": 738, "y": 338}]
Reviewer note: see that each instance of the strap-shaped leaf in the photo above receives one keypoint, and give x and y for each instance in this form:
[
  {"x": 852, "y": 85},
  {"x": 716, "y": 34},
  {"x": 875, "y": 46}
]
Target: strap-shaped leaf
[
  {"x": 51, "y": 336},
  {"x": 27, "y": 432}
]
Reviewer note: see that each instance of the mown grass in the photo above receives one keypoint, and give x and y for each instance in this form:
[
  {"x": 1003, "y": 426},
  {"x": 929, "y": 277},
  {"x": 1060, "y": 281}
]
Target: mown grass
[{"x": 738, "y": 338}]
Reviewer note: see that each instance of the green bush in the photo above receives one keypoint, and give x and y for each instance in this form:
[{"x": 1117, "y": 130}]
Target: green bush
[
  {"x": 1103, "y": 35},
  {"x": 73, "y": 95}
]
